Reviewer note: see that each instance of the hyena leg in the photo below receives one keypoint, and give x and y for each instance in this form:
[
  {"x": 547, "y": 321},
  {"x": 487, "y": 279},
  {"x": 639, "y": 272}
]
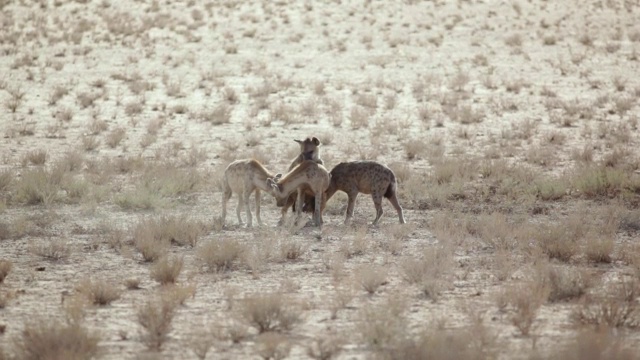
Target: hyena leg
[
  {"x": 377, "y": 202},
  {"x": 393, "y": 199},
  {"x": 352, "y": 195},
  {"x": 226, "y": 195},
  {"x": 258, "y": 196},
  {"x": 247, "y": 199},
  {"x": 299, "y": 201},
  {"x": 318, "y": 209},
  {"x": 239, "y": 207}
]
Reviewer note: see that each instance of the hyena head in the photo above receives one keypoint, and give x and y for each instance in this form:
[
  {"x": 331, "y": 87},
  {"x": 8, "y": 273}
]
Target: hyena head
[{"x": 309, "y": 148}]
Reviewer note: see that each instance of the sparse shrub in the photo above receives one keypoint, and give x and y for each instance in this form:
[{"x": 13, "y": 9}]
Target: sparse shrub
[
  {"x": 598, "y": 247},
  {"x": 566, "y": 283},
  {"x": 115, "y": 137},
  {"x": 525, "y": 300},
  {"x": 177, "y": 294},
  {"x": 6, "y": 178},
  {"x": 269, "y": 312},
  {"x": 90, "y": 143},
  {"x": 371, "y": 277},
  {"x": 98, "y": 292},
  {"x": 273, "y": 346},
  {"x": 558, "y": 241},
  {"x": 325, "y": 348},
  {"x": 221, "y": 255},
  {"x": 431, "y": 272},
  {"x": 133, "y": 108},
  {"x": 359, "y": 117},
  {"x": 46, "y": 338},
  {"x": 415, "y": 148},
  {"x": 550, "y": 189},
  {"x": 291, "y": 250},
  {"x": 155, "y": 317},
  {"x": 52, "y": 249},
  {"x": 381, "y": 325},
  {"x": 593, "y": 181},
  {"x": 36, "y": 157},
  {"x": 616, "y": 308},
  {"x": 132, "y": 283},
  {"x": 39, "y": 186},
  {"x": 166, "y": 270},
  {"x": 5, "y": 269}
]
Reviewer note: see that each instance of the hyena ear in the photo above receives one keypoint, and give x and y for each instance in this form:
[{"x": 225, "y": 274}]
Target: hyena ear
[
  {"x": 315, "y": 141},
  {"x": 270, "y": 182}
]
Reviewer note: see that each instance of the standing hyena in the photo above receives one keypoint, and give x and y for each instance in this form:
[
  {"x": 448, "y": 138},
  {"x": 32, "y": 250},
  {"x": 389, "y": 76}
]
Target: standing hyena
[
  {"x": 309, "y": 150},
  {"x": 244, "y": 177},
  {"x": 308, "y": 174},
  {"x": 367, "y": 177}
]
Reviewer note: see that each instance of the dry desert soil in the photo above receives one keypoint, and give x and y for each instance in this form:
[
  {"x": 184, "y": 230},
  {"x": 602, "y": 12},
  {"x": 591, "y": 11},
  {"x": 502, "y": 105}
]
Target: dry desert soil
[{"x": 511, "y": 126}]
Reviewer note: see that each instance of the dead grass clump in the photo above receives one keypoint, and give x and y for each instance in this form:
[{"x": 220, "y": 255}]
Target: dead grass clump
[
  {"x": 271, "y": 345},
  {"x": 550, "y": 189},
  {"x": 219, "y": 115},
  {"x": 132, "y": 283},
  {"x": 525, "y": 300},
  {"x": 221, "y": 255},
  {"x": 39, "y": 186},
  {"x": 155, "y": 317},
  {"x": 559, "y": 241},
  {"x": 615, "y": 308},
  {"x": 147, "y": 243},
  {"x": 115, "y": 137},
  {"x": 325, "y": 348},
  {"x": 595, "y": 344},
  {"x": 291, "y": 250},
  {"x": 371, "y": 277},
  {"x": 46, "y": 338},
  {"x": 98, "y": 292},
  {"x": 382, "y": 326},
  {"x": 415, "y": 148},
  {"x": 594, "y": 181},
  {"x": 166, "y": 270},
  {"x": 359, "y": 117},
  {"x": 497, "y": 232},
  {"x": 35, "y": 157},
  {"x": 140, "y": 199},
  {"x": 567, "y": 283},
  {"x": 177, "y": 294},
  {"x": 5, "y": 269},
  {"x": 6, "y": 178},
  {"x": 431, "y": 272},
  {"x": 269, "y": 312},
  {"x": 51, "y": 249},
  {"x": 598, "y": 247}
]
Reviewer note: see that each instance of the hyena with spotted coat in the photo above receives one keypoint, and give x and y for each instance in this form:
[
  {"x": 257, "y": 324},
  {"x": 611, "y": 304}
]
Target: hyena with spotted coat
[{"x": 367, "y": 177}]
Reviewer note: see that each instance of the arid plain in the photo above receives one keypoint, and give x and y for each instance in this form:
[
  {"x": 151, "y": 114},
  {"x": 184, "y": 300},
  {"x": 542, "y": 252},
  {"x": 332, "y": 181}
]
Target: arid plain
[{"x": 511, "y": 126}]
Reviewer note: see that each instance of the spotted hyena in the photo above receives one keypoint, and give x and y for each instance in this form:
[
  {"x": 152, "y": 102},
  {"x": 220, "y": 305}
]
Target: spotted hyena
[
  {"x": 310, "y": 175},
  {"x": 367, "y": 177},
  {"x": 243, "y": 177}
]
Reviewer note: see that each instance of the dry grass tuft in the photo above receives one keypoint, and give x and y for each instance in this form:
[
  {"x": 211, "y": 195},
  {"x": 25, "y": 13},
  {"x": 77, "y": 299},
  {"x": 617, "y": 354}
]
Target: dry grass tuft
[
  {"x": 155, "y": 317},
  {"x": 269, "y": 312},
  {"x": 325, "y": 348},
  {"x": 166, "y": 270},
  {"x": 98, "y": 292},
  {"x": 272, "y": 345},
  {"x": 39, "y": 186},
  {"x": 5, "y": 269},
  {"x": 371, "y": 277},
  {"x": 45, "y": 338},
  {"x": 51, "y": 249},
  {"x": 431, "y": 272},
  {"x": 221, "y": 255},
  {"x": 615, "y": 308}
]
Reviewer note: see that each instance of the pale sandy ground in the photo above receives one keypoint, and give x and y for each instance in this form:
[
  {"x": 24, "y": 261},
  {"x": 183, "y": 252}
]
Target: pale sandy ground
[{"x": 375, "y": 49}]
